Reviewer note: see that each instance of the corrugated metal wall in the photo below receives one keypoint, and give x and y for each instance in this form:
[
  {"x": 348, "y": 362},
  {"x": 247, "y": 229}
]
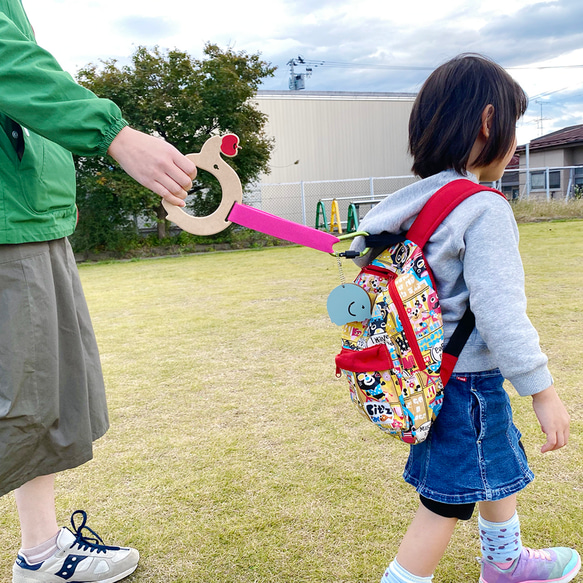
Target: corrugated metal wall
[{"x": 336, "y": 135}]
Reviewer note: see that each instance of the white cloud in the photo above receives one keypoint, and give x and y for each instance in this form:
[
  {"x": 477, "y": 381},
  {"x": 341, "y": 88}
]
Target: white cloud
[{"x": 422, "y": 33}]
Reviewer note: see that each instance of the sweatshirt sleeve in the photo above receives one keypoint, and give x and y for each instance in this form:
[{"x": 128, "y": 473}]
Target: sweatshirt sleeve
[
  {"x": 40, "y": 96},
  {"x": 494, "y": 275}
]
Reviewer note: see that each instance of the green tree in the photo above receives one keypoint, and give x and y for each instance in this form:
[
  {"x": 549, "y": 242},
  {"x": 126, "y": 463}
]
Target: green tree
[{"x": 185, "y": 101}]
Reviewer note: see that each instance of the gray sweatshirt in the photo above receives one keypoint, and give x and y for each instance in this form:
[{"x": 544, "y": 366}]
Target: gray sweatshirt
[{"x": 475, "y": 259}]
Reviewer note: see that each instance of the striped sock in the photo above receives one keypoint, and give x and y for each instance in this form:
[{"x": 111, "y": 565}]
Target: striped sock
[
  {"x": 397, "y": 574},
  {"x": 501, "y": 543}
]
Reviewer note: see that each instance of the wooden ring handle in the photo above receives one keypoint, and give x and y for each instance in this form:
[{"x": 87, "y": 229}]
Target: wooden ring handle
[{"x": 209, "y": 159}]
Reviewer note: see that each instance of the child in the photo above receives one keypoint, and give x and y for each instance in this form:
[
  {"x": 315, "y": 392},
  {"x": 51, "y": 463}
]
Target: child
[
  {"x": 52, "y": 398},
  {"x": 463, "y": 126}
]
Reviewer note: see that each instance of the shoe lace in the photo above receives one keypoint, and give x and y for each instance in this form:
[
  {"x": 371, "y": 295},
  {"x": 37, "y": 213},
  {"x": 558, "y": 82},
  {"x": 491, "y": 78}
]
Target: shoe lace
[
  {"x": 92, "y": 542},
  {"x": 540, "y": 554}
]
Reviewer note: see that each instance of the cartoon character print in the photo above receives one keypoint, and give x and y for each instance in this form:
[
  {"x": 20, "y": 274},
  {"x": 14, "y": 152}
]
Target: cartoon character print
[
  {"x": 422, "y": 431},
  {"x": 417, "y": 317},
  {"x": 372, "y": 283},
  {"x": 358, "y": 398},
  {"x": 419, "y": 309},
  {"x": 370, "y": 384},
  {"x": 401, "y": 343},
  {"x": 376, "y": 284},
  {"x": 402, "y": 348},
  {"x": 433, "y": 338},
  {"x": 432, "y": 388},
  {"x": 418, "y": 409},
  {"x": 409, "y": 286},
  {"x": 390, "y": 388},
  {"x": 377, "y": 324},
  {"x": 403, "y": 400},
  {"x": 386, "y": 412},
  {"x": 352, "y": 334},
  {"x": 377, "y": 402},
  {"x": 419, "y": 266},
  {"x": 432, "y": 300},
  {"x": 378, "y": 412},
  {"x": 410, "y": 384},
  {"x": 400, "y": 253},
  {"x": 384, "y": 416},
  {"x": 435, "y": 354}
]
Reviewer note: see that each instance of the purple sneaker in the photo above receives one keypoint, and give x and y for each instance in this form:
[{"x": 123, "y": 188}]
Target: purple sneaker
[{"x": 556, "y": 565}]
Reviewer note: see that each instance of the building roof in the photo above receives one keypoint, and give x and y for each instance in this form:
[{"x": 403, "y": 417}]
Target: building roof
[
  {"x": 570, "y": 137},
  {"x": 336, "y": 95},
  {"x": 514, "y": 163}
]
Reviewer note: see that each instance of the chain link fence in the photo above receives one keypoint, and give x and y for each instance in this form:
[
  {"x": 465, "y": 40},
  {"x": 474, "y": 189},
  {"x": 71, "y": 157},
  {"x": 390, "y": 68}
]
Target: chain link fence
[
  {"x": 544, "y": 183},
  {"x": 299, "y": 201}
]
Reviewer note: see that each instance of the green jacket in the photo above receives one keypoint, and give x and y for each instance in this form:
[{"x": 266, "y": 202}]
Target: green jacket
[{"x": 44, "y": 116}]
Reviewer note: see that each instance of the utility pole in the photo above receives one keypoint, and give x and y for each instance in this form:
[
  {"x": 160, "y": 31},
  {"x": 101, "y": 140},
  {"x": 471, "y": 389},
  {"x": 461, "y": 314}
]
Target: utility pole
[
  {"x": 297, "y": 81},
  {"x": 540, "y": 120}
]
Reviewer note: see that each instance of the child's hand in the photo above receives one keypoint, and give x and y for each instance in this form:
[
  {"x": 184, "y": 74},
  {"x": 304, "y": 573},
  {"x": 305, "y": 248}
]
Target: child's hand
[
  {"x": 154, "y": 163},
  {"x": 553, "y": 418}
]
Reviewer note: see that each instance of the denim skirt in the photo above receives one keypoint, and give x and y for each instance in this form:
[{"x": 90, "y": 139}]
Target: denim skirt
[
  {"x": 473, "y": 451},
  {"x": 52, "y": 396}
]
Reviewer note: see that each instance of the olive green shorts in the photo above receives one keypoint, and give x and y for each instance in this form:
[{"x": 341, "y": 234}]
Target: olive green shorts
[{"x": 52, "y": 398}]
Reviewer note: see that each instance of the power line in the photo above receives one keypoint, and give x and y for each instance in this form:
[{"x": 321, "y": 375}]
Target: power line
[
  {"x": 549, "y": 67},
  {"x": 547, "y": 93},
  {"x": 344, "y": 65},
  {"x": 347, "y": 65}
]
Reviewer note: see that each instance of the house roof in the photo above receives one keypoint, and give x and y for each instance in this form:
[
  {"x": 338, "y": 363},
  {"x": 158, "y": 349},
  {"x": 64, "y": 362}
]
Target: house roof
[
  {"x": 570, "y": 136},
  {"x": 514, "y": 163}
]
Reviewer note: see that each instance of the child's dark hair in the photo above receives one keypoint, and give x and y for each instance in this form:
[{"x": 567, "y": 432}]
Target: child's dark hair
[{"x": 447, "y": 114}]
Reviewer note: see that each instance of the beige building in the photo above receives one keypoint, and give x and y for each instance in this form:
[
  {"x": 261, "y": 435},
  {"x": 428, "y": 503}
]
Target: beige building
[
  {"x": 554, "y": 163},
  {"x": 334, "y": 135},
  {"x": 332, "y": 144}
]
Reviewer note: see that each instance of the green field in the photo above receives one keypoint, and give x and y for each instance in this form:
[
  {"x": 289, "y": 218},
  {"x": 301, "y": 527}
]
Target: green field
[{"x": 235, "y": 455}]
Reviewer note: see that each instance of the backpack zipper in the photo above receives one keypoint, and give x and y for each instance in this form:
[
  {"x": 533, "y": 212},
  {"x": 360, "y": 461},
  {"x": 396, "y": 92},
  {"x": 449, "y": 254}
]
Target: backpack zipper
[
  {"x": 376, "y": 270},
  {"x": 407, "y": 328}
]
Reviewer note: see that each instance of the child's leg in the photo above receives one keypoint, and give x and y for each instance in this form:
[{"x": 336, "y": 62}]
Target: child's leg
[
  {"x": 498, "y": 510},
  {"x": 505, "y": 560},
  {"x": 35, "y": 501},
  {"x": 500, "y": 531},
  {"x": 425, "y": 542}
]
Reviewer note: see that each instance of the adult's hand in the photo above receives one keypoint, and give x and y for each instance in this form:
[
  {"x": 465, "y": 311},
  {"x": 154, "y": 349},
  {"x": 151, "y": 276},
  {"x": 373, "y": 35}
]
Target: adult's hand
[{"x": 154, "y": 163}]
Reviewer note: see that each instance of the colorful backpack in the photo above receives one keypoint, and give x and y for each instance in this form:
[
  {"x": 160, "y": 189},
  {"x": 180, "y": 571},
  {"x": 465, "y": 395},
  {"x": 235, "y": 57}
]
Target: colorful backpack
[{"x": 394, "y": 360}]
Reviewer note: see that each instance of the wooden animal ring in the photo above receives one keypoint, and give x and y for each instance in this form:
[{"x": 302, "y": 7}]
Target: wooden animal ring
[{"x": 209, "y": 159}]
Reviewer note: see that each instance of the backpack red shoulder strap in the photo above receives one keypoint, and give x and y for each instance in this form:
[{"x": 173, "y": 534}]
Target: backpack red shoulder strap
[
  {"x": 440, "y": 205},
  {"x": 431, "y": 216}
]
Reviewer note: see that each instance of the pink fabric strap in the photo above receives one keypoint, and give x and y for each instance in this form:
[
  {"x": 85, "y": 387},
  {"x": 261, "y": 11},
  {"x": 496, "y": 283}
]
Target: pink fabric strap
[{"x": 263, "y": 222}]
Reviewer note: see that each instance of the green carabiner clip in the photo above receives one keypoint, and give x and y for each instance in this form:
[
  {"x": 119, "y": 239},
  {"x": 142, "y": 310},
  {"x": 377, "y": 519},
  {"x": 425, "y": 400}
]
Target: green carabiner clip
[{"x": 349, "y": 253}]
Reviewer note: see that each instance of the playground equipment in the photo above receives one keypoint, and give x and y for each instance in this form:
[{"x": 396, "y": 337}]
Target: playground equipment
[{"x": 353, "y": 214}]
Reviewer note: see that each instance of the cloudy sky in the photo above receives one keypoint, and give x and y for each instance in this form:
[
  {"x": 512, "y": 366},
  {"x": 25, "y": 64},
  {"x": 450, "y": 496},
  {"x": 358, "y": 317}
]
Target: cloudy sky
[{"x": 352, "y": 45}]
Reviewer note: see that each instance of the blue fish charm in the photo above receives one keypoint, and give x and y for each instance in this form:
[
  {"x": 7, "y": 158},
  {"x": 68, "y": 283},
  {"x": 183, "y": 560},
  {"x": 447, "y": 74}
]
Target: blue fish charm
[{"x": 348, "y": 303}]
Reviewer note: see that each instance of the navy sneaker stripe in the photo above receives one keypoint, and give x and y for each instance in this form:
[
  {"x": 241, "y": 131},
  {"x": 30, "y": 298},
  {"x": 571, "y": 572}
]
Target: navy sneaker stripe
[
  {"x": 70, "y": 566},
  {"x": 22, "y": 563}
]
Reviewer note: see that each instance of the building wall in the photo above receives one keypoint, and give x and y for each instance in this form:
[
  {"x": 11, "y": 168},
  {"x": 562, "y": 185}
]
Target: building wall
[
  {"x": 552, "y": 158},
  {"x": 336, "y": 135},
  {"x": 575, "y": 157}
]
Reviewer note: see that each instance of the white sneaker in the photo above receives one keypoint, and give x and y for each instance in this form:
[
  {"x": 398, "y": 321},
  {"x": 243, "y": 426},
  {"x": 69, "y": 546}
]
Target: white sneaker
[{"x": 78, "y": 559}]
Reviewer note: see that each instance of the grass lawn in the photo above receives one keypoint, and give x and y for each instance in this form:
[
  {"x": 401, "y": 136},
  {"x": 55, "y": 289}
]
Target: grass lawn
[{"x": 235, "y": 455}]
